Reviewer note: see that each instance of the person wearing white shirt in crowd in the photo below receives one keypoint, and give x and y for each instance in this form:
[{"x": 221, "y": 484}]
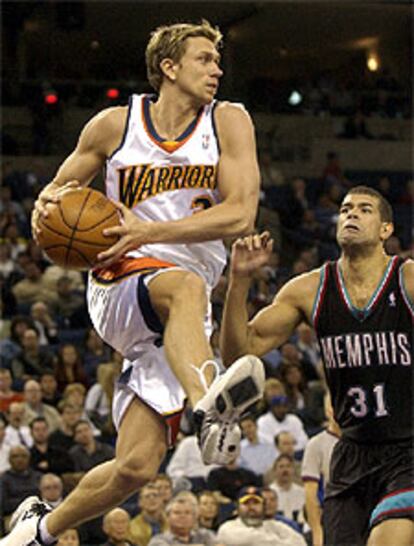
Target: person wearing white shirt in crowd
[
  {"x": 291, "y": 496},
  {"x": 255, "y": 454},
  {"x": 315, "y": 471},
  {"x": 277, "y": 419},
  {"x": 251, "y": 528},
  {"x": 285, "y": 444},
  {"x": 34, "y": 407},
  {"x": 4, "y": 449},
  {"x": 16, "y": 433},
  {"x": 186, "y": 461}
]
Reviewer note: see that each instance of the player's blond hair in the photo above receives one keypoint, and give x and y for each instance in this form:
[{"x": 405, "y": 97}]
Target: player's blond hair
[{"x": 168, "y": 42}]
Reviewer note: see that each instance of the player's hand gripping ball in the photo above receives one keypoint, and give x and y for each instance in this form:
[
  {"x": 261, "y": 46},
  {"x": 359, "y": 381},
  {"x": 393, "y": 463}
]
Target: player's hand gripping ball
[{"x": 71, "y": 234}]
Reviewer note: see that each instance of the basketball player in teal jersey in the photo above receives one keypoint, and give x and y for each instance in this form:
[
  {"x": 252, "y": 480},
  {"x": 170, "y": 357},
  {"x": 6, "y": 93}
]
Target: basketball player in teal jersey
[
  {"x": 361, "y": 307},
  {"x": 183, "y": 169}
]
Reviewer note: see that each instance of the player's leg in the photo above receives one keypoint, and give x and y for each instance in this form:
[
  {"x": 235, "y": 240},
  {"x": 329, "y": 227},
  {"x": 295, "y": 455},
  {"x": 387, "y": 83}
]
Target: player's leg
[
  {"x": 392, "y": 531},
  {"x": 180, "y": 301},
  {"x": 344, "y": 520},
  {"x": 141, "y": 446}
]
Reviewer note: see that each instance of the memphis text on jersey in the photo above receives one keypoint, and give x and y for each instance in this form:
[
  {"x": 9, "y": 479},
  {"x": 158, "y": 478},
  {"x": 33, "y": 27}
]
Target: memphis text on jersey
[
  {"x": 357, "y": 350},
  {"x": 140, "y": 182}
]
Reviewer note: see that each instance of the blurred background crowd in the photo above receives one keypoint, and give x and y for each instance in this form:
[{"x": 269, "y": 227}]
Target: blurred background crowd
[{"x": 331, "y": 109}]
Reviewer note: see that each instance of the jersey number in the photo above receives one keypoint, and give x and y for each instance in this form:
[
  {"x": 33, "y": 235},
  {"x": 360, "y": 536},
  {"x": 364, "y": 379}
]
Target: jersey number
[
  {"x": 360, "y": 406},
  {"x": 202, "y": 202}
]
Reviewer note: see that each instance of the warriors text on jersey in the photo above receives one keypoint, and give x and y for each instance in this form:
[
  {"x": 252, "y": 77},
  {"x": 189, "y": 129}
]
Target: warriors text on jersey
[
  {"x": 163, "y": 181},
  {"x": 368, "y": 355}
]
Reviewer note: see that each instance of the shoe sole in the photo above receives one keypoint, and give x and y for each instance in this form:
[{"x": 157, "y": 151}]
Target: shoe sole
[
  {"x": 238, "y": 388},
  {"x": 23, "y": 507}
]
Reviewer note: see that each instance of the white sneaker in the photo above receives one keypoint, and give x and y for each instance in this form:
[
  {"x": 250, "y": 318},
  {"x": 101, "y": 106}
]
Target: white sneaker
[
  {"x": 24, "y": 522},
  {"x": 217, "y": 413},
  {"x": 219, "y": 442}
]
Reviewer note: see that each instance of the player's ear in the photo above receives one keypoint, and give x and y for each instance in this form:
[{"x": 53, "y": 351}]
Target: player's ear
[
  {"x": 387, "y": 229},
  {"x": 168, "y": 67}
]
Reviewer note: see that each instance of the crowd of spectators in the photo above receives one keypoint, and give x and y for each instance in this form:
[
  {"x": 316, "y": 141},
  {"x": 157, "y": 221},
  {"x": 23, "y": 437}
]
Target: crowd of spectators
[{"x": 57, "y": 380}]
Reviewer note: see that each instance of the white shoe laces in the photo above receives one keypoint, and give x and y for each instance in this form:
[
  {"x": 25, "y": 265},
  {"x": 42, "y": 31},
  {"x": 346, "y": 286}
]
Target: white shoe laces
[{"x": 200, "y": 372}]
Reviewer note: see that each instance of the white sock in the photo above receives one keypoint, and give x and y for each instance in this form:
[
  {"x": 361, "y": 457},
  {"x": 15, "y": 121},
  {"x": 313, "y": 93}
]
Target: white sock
[{"x": 45, "y": 536}]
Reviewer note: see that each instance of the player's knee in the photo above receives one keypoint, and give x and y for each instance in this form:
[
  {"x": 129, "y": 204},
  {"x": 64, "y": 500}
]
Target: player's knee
[
  {"x": 133, "y": 473},
  {"x": 191, "y": 291}
]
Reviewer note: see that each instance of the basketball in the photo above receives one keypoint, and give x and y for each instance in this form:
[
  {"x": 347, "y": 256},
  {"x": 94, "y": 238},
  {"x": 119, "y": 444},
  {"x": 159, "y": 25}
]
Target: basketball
[{"x": 72, "y": 235}]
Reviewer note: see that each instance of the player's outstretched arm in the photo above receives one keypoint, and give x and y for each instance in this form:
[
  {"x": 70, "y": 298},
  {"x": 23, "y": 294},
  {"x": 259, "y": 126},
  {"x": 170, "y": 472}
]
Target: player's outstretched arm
[
  {"x": 274, "y": 324},
  {"x": 238, "y": 182},
  {"x": 98, "y": 139}
]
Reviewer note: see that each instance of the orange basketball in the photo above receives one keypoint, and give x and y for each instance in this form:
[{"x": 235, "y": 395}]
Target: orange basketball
[{"x": 72, "y": 235}]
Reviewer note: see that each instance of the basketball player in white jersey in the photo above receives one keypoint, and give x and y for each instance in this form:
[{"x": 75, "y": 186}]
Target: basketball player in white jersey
[{"x": 183, "y": 170}]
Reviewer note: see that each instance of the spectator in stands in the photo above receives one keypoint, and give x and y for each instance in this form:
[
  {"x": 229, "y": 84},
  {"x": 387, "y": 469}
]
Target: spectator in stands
[
  {"x": 32, "y": 288},
  {"x": 293, "y": 379},
  {"x": 87, "y": 452},
  {"x": 64, "y": 436},
  {"x": 99, "y": 396},
  {"x": 278, "y": 419},
  {"x": 165, "y": 487},
  {"x": 186, "y": 462},
  {"x": 10, "y": 348},
  {"x": 272, "y": 509},
  {"x": 151, "y": 520},
  {"x": 251, "y": 527},
  {"x": 115, "y": 526},
  {"x": 255, "y": 454},
  {"x": 7, "y": 265},
  {"x": 16, "y": 432},
  {"x": 285, "y": 444},
  {"x": 96, "y": 352},
  {"x": 49, "y": 386},
  {"x": 46, "y": 457},
  {"x": 291, "y": 496},
  {"x": 20, "y": 481},
  {"x": 308, "y": 347},
  {"x": 332, "y": 173},
  {"x": 33, "y": 360},
  {"x": 273, "y": 387},
  {"x": 182, "y": 516},
  {"x": 315, "y": 471},
  {"x": 54, "y": 272},
  {"x": 208, "y": 511},
  {"x": 51, "y": 489},
  {"x": 4, "y": 448},
  {"x": 13, "y": 237},
  {"x": 7, "y": 394},
  {"x": 44, "y": 323},
  {"x": 229, "y": 479},
  {"x": 34, "y": 407},
  {"x": 11, "y": 207},
  {"x": 69, "y": 367},
  {"x": 69, "y": 538},
  {"x": 65, "y": 301}
]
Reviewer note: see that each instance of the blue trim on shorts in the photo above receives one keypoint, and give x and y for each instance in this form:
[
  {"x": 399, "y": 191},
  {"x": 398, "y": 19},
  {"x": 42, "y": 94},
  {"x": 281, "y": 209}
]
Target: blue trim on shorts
[
  {"x": 393, "y": 506},
  {"x": 150, "y": 316}
]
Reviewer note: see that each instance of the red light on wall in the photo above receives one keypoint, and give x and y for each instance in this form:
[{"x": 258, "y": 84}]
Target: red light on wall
[
  {"x": 51, "y": 98},
  {"x": 112, "y": 93}
]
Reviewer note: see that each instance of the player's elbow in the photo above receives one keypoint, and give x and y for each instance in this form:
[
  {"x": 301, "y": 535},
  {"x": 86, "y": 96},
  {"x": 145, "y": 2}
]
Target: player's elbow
[{"x": 244, "y": 224}]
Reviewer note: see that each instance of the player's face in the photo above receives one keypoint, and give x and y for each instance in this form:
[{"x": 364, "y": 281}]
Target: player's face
[
  {"x": 198, "y": 71},
  {"x": 359, "y": 221}
]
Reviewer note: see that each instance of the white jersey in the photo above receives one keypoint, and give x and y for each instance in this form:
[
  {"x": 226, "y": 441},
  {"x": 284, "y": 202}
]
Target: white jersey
[{"x": 162, "y": 181}]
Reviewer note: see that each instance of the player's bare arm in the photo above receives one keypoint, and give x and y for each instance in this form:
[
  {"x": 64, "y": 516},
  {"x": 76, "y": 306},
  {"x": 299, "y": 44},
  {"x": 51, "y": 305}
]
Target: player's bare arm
[
  {"x": 273, "y": 325},
  {"x": 238, "y": 182},
  {"x": 408, "y": 279},
  {"x": 98, "y": 139}
]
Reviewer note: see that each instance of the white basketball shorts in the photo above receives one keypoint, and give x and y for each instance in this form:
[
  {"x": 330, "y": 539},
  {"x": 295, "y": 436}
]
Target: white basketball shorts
[{"x": 122, "y": 314}]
